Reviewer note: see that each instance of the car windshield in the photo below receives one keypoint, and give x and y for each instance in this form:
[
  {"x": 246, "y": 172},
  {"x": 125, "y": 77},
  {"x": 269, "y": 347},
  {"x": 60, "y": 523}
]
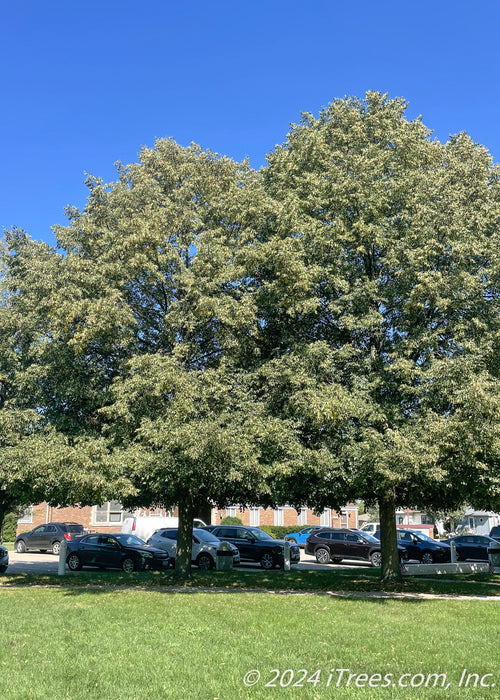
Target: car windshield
[
  {"x": 259, "y": 534},
  {"x": 424, "y": 538},
  {"x": 129, "y": 540},
  {"x": 206, "y": 536},
  {"x": 369, "y": 537}
]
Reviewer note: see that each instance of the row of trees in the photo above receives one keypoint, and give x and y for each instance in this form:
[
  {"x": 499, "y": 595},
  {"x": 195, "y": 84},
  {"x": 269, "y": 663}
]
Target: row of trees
[{"x": 324, "y": 329}]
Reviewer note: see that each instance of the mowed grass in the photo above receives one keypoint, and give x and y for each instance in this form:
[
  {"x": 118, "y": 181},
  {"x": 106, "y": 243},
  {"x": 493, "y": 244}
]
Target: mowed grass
[
  {"x": 122, "y": 644},
  {"x": 358, "y": 579}
]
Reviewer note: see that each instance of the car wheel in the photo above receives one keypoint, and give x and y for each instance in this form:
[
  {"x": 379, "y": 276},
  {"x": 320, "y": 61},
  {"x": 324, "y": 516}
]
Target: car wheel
[
  {"x": 21, "y": 547},
  {"x": 267, "y": 560},
  {"x": 56, "y": 548},
  {"x": 128, "y": 565},
  {"x": 322, "y": 555},
  {"x": 204, "y": 561},
  {"x": 376, "y": 558},
  {"x": 292, "y": 540},
  {"x": 74, "y": 563},
  {"x": 427, "y": 558}
]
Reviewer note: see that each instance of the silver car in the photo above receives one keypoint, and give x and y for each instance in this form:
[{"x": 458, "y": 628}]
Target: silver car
[
  {"x": 4, "y": 559},
  {"x": 205, "y": 545}
]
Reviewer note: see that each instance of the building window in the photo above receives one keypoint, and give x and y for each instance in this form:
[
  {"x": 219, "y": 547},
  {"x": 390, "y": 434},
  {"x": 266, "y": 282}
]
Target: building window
[
  {"x": 26, "y": 516},
  {"x": 231, "y": 512},
  {"x": 255, "y": 517},
  {"x": 302, "y": 517},
  {"x": 109, "y": 513},
  {"x": 279, "y": 518},
  {"x": 325, "y": 518}
]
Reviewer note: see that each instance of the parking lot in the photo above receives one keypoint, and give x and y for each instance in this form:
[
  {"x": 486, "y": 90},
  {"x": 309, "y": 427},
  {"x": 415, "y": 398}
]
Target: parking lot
[{"x": 37, "y": 563}]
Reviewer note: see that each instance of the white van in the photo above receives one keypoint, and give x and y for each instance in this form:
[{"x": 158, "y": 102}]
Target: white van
[
  {"x": 371, "y": 528},
  {"x": 144, "y": 526}
]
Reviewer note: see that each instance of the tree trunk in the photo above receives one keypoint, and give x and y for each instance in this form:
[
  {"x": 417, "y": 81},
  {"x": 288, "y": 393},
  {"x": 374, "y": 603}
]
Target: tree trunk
[
  {"x": 4, "y": 509},
  {"x": 391, "y": 568},
  {"x": 184, "y": 538}
]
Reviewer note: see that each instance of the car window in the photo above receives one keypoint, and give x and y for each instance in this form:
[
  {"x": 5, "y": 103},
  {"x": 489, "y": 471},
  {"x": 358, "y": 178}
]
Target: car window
[
  {"x": 244, "y": 534},
  {"x": 337, "y": 535},
  {"x": 207, "y": 536},
  {"x": 404, "y": 536},
  {"x": 38, "y": 530},
  {"x": 74, "y": 528},
  {"x": 423, "y": 538},
  {"x": 259, "y": 534},
  {"x": 324, "y": 535},
  {"x": 227, "y": 532},
  {"x": 51, "y": 528},
  {"x": 351, "y": 537},
  {"x": 369, "y": 537},
  {"x": 91, "y": 539},
  {"x": 128, "y": 540},
  {"x": 168, "y": 535}
]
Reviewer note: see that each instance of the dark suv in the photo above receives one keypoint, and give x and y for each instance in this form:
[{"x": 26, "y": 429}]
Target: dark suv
[
  {"x": 255, "y": 545},
  {"x": 47, "y": 537},
  {"x": 333, "y": 545}
]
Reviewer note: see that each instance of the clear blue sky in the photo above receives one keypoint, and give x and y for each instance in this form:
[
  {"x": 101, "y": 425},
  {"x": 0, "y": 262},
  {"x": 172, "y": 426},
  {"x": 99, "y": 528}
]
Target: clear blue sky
[{"x": 84, "y": 84}]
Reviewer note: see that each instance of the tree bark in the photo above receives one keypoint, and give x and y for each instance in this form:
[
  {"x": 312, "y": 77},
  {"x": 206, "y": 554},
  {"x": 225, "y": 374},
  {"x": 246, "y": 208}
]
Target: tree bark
[
  {"x": 184, "y": 538},
  {"x": 391, "y": 567}
]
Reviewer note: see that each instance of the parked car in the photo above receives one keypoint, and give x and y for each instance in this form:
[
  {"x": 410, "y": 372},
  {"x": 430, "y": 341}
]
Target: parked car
[
  {"x": 336, "y": 544},
  {"x": 114, "y": 551},
  {"x": 495, "y": 533},
  {"x": 423, "y": 548},
  {"x": 371, "y": 528},
  {"x": 472, "y": 546},
  {"x": 4, "y": 559},
  {"x": 255, "y": 545},
  {"x": 47, "y": 537},
  {"x": 204, "y": 551},
  {"x": 301, "y": 536}
]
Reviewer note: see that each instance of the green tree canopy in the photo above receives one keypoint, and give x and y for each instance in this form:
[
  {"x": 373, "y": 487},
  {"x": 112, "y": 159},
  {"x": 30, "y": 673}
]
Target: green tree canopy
[{"x": 392, "y": 363}]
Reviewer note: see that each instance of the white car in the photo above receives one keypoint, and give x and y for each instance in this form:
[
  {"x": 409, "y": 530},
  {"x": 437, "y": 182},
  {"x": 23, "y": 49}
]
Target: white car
[{"x": 205, "y": 545}]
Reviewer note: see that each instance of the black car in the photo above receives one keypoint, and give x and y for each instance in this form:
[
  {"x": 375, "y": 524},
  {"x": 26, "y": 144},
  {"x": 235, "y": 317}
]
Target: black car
[
  {"x": 255, "y": 545},
  {"x": 4, "y": 559},
  {"x": 423, "y": 548},
  {"x": 472, "y": 546},
  {"x": 336, "y": 544},
  {"x": 47, "y": 537},
  {"x": 114, "y": 551}
]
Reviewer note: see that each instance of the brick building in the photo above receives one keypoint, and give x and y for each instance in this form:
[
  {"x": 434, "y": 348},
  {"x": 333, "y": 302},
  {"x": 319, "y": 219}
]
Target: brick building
[
  {"x": 288, "y": 516},
  {"x": 110, "y": 516}
]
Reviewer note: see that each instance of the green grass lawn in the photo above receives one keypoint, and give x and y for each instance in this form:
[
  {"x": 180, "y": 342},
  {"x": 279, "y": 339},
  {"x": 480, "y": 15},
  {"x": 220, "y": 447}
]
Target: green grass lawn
[
  {"x": 359, "y": 579},
  {"x": 117, "y": 644}
]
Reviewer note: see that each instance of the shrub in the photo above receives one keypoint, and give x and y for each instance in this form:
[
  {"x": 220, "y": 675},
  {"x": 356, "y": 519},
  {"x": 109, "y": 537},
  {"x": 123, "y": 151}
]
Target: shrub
[
  {"x": 9, "y": 527},
  {"x": 231, "y": 520},
  {"x": 279, "y": 531}
]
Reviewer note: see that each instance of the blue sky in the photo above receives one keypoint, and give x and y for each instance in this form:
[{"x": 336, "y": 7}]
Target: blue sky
[{"x": 84, "y": 84}]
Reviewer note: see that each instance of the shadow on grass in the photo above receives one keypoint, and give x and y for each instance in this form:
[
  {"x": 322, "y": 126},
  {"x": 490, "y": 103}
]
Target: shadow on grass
[{"x": 244, "y": 580}]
